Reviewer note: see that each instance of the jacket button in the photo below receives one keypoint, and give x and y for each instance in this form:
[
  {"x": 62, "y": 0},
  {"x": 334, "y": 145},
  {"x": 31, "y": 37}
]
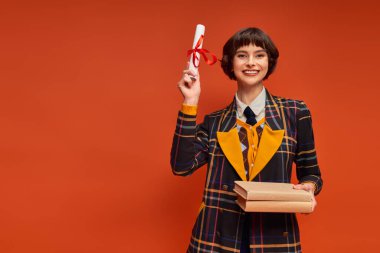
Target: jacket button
[
  {"x": 225, "y": 187},
  {"x": 218, "y": 233},
  {"x": 285, "y": 234}
]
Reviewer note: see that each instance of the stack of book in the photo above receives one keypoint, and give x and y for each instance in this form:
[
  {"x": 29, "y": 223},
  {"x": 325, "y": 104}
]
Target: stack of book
[{"x": 272, "y": 197}]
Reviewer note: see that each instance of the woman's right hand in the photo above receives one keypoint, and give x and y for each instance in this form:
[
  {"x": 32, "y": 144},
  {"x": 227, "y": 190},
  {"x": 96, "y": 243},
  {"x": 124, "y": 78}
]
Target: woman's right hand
[{"x": 190, "y": 89}]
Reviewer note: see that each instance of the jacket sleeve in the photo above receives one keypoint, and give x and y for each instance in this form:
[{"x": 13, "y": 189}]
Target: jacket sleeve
[
  {"x": 190, "y": 145},
  {"x": 306, "y": 157}
]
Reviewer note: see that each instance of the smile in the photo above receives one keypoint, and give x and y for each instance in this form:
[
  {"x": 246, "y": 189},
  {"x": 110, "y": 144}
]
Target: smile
[{"x": 250, "y": 72}]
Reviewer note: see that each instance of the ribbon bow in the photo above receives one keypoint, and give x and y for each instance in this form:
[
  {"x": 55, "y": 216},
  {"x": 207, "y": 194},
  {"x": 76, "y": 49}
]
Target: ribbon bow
[{"x": 202, "y": 52}]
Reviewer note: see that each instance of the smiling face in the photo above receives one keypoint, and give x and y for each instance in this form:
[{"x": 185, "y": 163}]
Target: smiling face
[{"x": 250, "y": 65}]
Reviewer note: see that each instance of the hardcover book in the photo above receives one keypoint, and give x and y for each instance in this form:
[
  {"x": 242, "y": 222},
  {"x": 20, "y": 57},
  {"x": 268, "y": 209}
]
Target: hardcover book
[
  {"x": 274, "y": 206},
  {"x": 272, "y": 197},
  {"x": 270, "y": 191}
]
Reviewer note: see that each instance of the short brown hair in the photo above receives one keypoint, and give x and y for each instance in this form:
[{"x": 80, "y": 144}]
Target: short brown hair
[{"x": 244, "y": 37}]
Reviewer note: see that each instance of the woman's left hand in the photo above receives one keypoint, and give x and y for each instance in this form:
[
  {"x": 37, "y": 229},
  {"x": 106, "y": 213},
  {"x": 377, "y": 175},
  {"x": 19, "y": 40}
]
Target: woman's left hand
[{"x": 310, "y": 188}]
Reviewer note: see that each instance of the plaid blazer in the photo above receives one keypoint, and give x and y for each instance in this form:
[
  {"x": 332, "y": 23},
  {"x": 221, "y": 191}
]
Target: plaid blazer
[{"x": 287, "y": 137}]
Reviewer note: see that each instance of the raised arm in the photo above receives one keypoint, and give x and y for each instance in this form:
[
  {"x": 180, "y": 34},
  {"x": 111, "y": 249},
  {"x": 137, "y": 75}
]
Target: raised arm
[{"x": 190, "y": 142}]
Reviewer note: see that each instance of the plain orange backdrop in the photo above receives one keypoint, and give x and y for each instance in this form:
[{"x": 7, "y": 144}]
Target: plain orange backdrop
[{"x": 88, "y": 103}]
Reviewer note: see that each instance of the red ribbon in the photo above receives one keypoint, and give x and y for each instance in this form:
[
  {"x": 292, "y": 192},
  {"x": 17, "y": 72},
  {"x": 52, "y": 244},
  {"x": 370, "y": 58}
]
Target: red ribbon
[{"x": 202, "y": 52}]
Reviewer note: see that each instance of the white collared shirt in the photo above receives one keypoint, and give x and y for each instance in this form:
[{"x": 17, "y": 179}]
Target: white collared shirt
[{"x": 257, "y": 106}]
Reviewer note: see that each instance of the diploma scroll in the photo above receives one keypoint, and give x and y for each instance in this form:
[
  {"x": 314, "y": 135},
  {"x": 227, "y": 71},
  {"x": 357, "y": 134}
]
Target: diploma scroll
[{"x": 197, "y": 44}]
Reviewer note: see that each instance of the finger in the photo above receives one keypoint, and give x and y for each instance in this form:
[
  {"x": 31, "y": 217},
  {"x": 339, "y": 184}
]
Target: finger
[
  {"x": 308, "y": 188},
  {"x": 305, "y": 187},
  {"x": 188, "y": 80},
  {"x": 298, "y": 187},
  {"x": 181, "y": 84},
  {"x": 194, "y": 77},
  {"x": 190, "y": 72}
]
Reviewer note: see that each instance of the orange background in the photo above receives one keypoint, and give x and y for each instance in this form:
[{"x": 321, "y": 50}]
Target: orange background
[{"x": 88, "y": 103}]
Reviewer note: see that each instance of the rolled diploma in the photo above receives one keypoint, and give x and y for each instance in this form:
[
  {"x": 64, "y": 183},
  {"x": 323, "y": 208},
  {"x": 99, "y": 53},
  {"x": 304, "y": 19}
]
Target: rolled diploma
[{"x": 199, "y": 31}]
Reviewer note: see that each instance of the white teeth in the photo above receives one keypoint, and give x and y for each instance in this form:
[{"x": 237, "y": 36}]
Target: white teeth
[{"x": 251, "y": 71}]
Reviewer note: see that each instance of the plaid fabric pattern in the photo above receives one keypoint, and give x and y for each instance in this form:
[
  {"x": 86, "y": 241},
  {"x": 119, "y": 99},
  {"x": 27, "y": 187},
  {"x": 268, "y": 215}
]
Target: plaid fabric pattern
[
  {"x": 259, "y": 131},
  {"x": 244, "y": 142},
  {"x": 245, "y": 145},
  {"x": 219, "y": 223}
]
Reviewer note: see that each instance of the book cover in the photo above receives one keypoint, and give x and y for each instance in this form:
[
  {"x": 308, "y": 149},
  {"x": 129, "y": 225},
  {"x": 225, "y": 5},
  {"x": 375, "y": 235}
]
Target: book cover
[
  {"x": 274, "y": 206},
  {"x": 270, "y": 191}
]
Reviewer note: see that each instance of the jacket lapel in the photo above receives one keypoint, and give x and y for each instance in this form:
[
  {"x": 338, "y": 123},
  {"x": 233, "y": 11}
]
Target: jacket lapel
[
  {"x": 228, "y": 139},
  {"x": 271, "y": 137}
]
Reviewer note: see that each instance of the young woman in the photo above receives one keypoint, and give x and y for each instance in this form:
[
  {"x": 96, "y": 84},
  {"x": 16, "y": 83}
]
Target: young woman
[{"x": 255, "y": 138}]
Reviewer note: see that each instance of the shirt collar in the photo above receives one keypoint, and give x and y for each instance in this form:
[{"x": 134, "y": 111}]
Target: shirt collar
[{"x": 257, "y": 105}]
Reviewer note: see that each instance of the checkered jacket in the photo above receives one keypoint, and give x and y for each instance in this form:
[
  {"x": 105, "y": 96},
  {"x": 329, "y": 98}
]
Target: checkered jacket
[{"x": 288, "y": 138}]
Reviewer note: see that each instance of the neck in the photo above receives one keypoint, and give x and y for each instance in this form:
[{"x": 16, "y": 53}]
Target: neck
[{"x": 247, "y": 94}]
